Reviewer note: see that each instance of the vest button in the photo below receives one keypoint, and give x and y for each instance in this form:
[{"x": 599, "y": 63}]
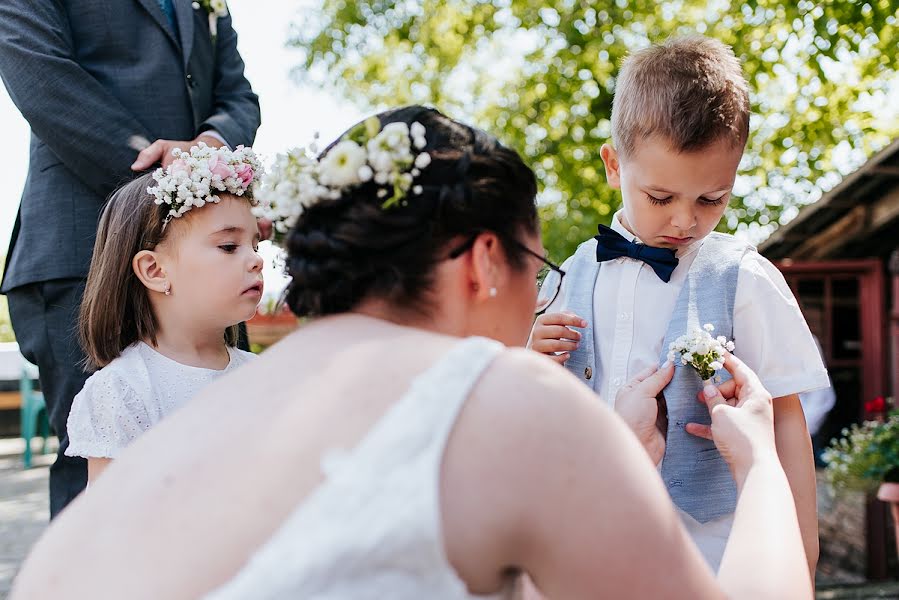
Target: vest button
[{"x": 588, "y": 373}]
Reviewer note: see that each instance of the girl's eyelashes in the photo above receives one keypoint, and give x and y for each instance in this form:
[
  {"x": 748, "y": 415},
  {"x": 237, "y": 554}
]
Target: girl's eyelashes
[{"x": 228, "y": 248}]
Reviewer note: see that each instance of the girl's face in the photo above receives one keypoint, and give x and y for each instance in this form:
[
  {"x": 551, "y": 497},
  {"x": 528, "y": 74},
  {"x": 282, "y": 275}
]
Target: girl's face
[{"x": 212, "y": 265}]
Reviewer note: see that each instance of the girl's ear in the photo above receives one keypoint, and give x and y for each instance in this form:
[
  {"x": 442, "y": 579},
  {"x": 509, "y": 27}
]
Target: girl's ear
[
  {"x": 613, "y": 168},
  {"x": 149, "y": 270}
]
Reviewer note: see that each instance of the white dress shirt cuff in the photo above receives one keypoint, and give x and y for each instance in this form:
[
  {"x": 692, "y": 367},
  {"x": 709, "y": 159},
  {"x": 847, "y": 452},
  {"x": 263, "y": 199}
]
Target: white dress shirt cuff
[{"x": 215, "y": 134}]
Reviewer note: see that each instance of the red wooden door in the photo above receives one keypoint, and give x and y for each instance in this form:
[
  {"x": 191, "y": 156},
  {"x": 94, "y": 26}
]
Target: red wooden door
[{"x": 844, "y": 304}]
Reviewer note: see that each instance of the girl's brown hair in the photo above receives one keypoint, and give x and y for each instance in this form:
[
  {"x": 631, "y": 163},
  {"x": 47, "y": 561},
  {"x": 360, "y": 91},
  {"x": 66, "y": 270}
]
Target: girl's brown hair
[{"x": 116, "y": 310}]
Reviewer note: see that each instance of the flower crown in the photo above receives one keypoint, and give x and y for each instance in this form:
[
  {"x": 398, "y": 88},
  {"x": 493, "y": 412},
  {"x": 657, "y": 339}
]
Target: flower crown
[
  {"x": 193, "y": 177},
  {"x": 366, "y": 153}
]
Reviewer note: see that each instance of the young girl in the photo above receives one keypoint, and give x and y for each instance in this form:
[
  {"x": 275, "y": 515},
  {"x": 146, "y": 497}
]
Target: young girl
[{"x": 174, "y": 270}]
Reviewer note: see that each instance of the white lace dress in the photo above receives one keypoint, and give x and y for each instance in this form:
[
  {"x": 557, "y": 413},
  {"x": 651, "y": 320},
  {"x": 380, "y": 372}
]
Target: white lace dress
[
  {"x": 131, "y": 394},
  {"x": 372, "y": 529}
]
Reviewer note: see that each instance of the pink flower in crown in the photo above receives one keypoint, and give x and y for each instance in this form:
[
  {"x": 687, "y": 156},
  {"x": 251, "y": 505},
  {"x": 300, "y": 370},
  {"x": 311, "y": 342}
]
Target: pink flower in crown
[
  {"x": 244, "y": 173},
  {"x": 179, "y": 166},
  {"x": 218, "y": 166}
]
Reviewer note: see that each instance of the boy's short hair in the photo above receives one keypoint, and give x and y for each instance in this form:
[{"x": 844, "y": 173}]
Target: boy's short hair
[{"x": 690, "y": 91}]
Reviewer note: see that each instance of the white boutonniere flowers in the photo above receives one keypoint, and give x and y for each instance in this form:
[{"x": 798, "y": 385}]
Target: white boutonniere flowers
[
  {"x": 215, "y": 9},
  {"x": 701, "y": 351}
]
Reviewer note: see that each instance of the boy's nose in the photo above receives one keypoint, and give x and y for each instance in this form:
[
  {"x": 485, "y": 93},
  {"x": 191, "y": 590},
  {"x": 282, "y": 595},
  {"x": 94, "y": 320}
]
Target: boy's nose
[{"x": 683, "y": 219}]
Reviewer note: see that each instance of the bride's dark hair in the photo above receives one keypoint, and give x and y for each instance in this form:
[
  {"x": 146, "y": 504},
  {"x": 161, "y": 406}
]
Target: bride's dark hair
[{"x": 342, "y": 251}]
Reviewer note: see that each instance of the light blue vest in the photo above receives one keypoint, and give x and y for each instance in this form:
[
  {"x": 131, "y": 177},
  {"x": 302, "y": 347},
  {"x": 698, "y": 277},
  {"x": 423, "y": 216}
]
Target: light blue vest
[{"x": 697, "y": 477}]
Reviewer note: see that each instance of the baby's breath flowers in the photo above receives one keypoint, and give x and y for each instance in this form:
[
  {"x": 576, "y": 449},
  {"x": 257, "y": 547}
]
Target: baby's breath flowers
[
  {"x": 194, "y": 177},
  {"x": 701, "y": 351},
  {"x": 389, "y": 157}
]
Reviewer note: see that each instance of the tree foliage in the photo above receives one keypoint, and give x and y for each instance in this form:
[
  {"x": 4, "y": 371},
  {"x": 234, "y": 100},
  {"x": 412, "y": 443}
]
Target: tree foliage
[{"x": 541, "y": 74}]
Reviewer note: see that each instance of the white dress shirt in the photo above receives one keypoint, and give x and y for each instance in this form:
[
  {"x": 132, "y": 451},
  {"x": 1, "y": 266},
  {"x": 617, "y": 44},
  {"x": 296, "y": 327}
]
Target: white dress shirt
[{"x": 632, "y": 309}]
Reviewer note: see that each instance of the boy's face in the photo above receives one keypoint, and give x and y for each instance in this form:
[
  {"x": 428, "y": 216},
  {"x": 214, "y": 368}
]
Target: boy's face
[{"x": 672, "y": 199}]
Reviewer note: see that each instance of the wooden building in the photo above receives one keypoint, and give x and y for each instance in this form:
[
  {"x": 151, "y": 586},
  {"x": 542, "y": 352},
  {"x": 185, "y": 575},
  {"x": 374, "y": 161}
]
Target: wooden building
[{"x": 840, "y": 256}]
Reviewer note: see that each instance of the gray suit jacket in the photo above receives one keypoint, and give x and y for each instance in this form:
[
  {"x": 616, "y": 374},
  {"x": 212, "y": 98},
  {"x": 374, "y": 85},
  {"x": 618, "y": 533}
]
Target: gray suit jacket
[{"x": 97, "y": 80}]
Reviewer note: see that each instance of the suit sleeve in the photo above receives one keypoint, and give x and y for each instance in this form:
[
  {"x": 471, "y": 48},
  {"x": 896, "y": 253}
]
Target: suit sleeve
[
  {"x": 235, "y": 113},
  {"x": 86, "y": 127}
]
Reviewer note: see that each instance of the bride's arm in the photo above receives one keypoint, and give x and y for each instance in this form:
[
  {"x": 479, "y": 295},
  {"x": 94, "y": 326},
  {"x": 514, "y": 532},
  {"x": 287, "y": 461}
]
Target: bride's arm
[{"x": 577, "y": 504}]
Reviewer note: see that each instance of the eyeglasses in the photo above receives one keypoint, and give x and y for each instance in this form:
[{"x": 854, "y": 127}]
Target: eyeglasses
[{"x": 549, "y": 278}]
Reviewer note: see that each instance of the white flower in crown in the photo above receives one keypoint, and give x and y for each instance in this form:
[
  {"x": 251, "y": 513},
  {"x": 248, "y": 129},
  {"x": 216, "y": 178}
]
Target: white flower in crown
[
  {"x": 342, "y": 165},
  {"x": 194, "y": 177},
  {"x": 701, "y": 351},
  {"x": 366, "y": 153}
]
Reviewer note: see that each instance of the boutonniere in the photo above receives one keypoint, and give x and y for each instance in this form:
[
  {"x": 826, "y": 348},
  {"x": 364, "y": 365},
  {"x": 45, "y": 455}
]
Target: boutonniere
[
  {"x": 215, "y": 9},
  {"x": 701, "y": 351}
]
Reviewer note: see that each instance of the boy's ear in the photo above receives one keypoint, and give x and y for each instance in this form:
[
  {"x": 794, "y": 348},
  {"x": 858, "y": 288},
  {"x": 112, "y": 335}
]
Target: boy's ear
[
  {"x": 610, "y": 160},
  {"x": 148, "y": 269}
]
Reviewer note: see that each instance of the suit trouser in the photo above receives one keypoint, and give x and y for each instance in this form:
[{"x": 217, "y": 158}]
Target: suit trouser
[{"x": 44, "y": 317}]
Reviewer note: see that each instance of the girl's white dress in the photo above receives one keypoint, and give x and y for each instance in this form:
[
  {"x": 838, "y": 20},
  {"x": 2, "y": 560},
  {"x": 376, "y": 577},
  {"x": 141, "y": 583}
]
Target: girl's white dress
[
  {"x": 372, "y": 529},
  {"x": 131, "y": 394}
]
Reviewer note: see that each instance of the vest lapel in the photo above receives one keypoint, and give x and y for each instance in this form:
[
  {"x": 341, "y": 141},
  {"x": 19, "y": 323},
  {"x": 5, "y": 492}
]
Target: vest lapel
[
  {"x": 152, "y": 7},
  {"x": 184, "y": 14}
]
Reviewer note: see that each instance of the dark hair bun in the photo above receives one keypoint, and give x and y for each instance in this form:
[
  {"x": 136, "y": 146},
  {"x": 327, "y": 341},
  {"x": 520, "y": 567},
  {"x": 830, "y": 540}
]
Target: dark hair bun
[{"x": 344, "y": 250}]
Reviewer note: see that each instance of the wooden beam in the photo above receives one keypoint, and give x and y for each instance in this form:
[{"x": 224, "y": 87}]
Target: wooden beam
[
  {"x": 824, "y": 243},
  {"x": 884, "y": 170}
]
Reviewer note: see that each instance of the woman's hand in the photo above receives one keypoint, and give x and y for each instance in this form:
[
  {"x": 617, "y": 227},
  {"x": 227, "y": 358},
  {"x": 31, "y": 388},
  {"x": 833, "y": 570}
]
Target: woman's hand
[
  {"x": 742, "y": 419},
  {"x": 637, "y": 404}
]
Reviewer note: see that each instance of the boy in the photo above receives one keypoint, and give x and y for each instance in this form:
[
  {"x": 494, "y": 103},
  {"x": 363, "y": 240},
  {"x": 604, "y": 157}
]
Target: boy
[{"x": 680, "y": 121}]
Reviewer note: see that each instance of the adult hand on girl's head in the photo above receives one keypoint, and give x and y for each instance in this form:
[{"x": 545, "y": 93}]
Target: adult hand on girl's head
[
  {"x": 742, "y": 418},
  {"x": 638, "y": 406}
]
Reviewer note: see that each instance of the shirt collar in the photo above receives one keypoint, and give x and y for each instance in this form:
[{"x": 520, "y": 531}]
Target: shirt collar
[{"x": 619, "y": 228}]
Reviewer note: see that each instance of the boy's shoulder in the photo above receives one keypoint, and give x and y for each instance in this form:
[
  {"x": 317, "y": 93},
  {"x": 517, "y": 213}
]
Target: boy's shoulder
[{"x": 717, "y": 237}]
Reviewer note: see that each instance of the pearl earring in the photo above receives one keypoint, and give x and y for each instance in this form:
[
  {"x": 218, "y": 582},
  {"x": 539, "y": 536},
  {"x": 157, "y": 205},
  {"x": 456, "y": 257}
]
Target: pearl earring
[
  {"x": 493, "y": 292},
  {"x": 168, "y": 289}
]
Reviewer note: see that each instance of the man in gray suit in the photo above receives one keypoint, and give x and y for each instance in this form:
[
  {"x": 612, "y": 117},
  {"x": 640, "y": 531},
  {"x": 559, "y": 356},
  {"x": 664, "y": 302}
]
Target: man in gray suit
[{"x": 99, "y": 81}]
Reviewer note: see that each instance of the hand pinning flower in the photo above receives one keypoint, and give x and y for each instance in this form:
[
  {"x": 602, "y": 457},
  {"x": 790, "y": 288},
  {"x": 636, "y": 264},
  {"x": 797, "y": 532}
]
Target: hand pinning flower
[{"x": 701, "y": 351}]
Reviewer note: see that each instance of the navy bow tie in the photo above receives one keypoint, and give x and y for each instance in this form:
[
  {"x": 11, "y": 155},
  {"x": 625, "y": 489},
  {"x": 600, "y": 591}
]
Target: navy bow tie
[{"x": 611, "y": 245}]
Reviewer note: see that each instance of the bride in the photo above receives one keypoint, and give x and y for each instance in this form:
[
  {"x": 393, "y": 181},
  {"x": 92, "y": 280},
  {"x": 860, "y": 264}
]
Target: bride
[{"x": 382, "y": 452}]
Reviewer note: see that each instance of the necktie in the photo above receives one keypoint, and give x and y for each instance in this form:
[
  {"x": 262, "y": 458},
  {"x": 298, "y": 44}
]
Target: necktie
[
  {"x": 611, "y": 245},
  {"x": 169, "y": 10}
]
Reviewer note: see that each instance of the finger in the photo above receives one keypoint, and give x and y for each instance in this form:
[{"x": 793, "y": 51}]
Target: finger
[
  {"x": 703, "y": 431},
  {"x": 567, "y": 319},
  {"x": 561, "y": 358},
  {"x": 743, "y": 375},
  {"x": 726, "y": 389},
  {"x": 167, "y": 156},
  {"x": 712, "y": 396},
  {"x": 552, "y": 346},
  {"x": 642, "y": 375},
  {"x": 148, "y": 156},
  {"x": 656, "y": 381},
  {"x": 555, "y": 332}
]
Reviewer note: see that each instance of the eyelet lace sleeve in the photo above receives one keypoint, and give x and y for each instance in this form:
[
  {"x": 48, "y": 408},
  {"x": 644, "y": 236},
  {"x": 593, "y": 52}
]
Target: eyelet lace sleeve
[{"x": 106, "y": 416}]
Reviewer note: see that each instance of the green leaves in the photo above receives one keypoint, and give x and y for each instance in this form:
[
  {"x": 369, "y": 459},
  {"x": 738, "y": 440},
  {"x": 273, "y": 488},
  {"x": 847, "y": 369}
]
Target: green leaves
[{"x": 541, "y": 76}]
